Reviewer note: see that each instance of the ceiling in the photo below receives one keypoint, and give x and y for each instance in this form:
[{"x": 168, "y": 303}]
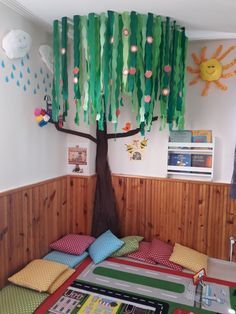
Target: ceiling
[{"x": 203, "y": 19}]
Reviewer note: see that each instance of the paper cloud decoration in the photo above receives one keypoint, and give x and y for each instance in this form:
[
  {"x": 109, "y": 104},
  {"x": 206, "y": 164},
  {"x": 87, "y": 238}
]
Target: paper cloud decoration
[
  {"x": 16, "y": 44},
  {"x": 47, "y": 56}
]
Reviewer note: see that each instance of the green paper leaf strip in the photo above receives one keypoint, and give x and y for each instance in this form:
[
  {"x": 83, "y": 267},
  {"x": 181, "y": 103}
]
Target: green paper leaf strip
[
  {"x": 64, "y": 73},
  {"x": 56, "y": 72},
  {"x": 148, "y": 64},
  {"x": 77, "y": 68},
  {"x": 115, "y": 44},
  {"x": 133, "y": 51},
  {"x": 182, "y": 82},
  {"x": 174, "y": 69},
  {"x": 84, "y": 63},
  {"x": 155, "y": 61},
  {"x": 126, "y": 50},
  {"x": 140, "y": 78}
]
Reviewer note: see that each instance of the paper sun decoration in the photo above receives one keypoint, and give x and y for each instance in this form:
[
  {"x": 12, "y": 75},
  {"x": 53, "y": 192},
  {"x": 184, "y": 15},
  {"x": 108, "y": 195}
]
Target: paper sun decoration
[
  {"x": 16, "y": 44},
  {"x": 211, "y": 70}
]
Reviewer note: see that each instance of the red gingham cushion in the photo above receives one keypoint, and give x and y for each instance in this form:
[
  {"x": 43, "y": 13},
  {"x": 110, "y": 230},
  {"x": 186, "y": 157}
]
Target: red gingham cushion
[
  {"x": 73, "y": 243},
  {"x": 142, "y": 253},
  {"x": 160, "y": 252}
]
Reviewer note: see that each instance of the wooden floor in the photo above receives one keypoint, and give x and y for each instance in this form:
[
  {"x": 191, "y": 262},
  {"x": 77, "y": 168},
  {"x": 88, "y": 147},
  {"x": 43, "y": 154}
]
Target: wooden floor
[{"x": 197, "y": 214}]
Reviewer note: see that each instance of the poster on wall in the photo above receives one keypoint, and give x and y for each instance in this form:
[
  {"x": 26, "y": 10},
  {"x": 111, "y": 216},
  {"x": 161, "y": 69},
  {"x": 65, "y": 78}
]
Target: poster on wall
[
  {"x": 135, "y": 149},
  {"x": 77, "y": 158}
]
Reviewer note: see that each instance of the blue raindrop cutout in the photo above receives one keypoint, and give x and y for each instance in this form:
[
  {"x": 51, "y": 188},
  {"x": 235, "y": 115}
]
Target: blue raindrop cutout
[
  {"x": 35, "y": 92},
  {"x": 38, "y": 86},
  {"x": 28, "y": 70},
  {"x": 14, "y": 67},
  {"x": 17, "y": 83},
  {"x": 44, "y": 81},
  {"x": 41, "y": 70},
  {"x": 28, "y": 81},
  {"x": 50, "y": 85},
  {"x": 3, "y": 64},
  {"x": 47, "y": 75},
  {"x": 21, "y": 74},
  {"x": 35, "y": 75},
  {"x": 12, "y": 75},
  {"x": 27, "y": 56},
  {"x": 6, "y": 79},
  {"x": 22, "y": 62},
  {"x": 24, "y": 88},
  {"x": 45, "y": 89}
]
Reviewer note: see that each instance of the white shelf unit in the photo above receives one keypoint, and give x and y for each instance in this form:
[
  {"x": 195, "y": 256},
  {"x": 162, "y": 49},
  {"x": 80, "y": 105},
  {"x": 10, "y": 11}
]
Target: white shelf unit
[{"x": 192, "y": 149}]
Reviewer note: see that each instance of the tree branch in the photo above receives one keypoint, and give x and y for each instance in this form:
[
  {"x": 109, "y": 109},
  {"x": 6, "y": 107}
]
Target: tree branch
[
  {"x": 127, "y": 134},
  {"x": 93, "y": 139},
  {"x": 86, "y": 135}
]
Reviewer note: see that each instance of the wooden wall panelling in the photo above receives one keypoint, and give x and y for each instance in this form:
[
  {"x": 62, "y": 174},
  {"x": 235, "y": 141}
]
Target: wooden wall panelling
[
  {"x": 81, "y": 192},
  {"x": 197, "y": 214},
  {"x": 31, "y": 218}
]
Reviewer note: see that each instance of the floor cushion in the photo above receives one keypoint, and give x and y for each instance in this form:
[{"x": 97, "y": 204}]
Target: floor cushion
[
  {"x": 131, "y": 244},
  {"x": 189, "y": 258},
  {"x": 38, "y": 274},
  {"x": 60, "y": 280},
  {"x": 15, "y": 299},
  {"x": 106, "y": 244},
  {"x": 73, "y": 243},
  {"x": 160, "y": 253},
  {"x": 142, "y": 253},
  {"x": 68, "y": 259}
]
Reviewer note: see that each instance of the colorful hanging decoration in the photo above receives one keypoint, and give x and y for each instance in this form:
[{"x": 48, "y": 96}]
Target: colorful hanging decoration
[
  {"x": 136, "y": 148},
  {"x": 131, "y": 56},
  {"x": 41, "y": 116},
  {"x": 212, "y": 70}
]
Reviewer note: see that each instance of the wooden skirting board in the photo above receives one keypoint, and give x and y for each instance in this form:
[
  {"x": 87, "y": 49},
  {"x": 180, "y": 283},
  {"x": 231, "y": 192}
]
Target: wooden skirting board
[{"x": 197, "y": 214}]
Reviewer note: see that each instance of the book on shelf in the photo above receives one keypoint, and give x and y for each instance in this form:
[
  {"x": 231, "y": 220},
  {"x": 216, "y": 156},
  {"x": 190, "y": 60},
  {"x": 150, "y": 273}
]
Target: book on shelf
[
  {"x": 201, "y": 136},
  {"x": 182, "y": 136},
  {"x": 183, "y": 160},
  {"x": 201, "y": 160}
]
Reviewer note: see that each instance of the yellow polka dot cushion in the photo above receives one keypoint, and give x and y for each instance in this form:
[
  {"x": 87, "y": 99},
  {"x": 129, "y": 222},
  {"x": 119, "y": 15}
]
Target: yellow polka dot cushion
[
  {"x": 60, "y": 280},
  {"x": 38, "y": 275},
  {"x": 188, "y": 258}
]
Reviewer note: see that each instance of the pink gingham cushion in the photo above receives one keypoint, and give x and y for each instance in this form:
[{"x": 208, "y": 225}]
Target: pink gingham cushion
[
  {"x": 73, "y": 243},
  {"x": 160, "y": 252},
  {"x": 142, "y": 253}
]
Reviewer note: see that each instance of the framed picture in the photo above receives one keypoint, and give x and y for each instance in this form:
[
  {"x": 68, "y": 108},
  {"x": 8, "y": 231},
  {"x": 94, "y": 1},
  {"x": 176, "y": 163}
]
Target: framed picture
[{"x": 77, "y": 157}]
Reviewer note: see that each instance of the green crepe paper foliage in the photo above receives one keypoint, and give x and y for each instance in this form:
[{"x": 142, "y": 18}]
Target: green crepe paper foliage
[{"x": 131, "y": 56}]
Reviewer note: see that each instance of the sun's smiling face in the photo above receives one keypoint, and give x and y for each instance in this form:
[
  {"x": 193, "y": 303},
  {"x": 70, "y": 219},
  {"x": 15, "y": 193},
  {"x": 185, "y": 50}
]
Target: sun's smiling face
[{"x": 210, "y": 70}]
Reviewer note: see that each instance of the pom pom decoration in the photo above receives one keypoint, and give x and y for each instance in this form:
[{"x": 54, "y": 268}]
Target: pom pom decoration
[{"x": 41, "y": 116}]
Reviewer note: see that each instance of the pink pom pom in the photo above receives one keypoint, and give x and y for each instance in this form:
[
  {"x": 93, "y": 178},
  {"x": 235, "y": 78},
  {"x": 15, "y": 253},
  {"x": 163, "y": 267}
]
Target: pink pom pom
[{"x": 37, "y": 112}]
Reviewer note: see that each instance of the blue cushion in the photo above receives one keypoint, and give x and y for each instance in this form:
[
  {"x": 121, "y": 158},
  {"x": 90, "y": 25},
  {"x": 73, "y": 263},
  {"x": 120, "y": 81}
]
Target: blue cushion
[
  {"x": 64, "y": 258},
  {"x": 106, "y": 244}
]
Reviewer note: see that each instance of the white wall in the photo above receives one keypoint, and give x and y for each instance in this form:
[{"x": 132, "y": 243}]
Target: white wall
[
  {"x": 28, "y": 153},
  {"x": 216, "y": 112}
]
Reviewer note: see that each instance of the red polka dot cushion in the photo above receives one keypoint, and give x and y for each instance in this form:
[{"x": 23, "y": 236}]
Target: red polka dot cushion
[
  {"x": 142, "y": 253},
  {"x": 73, "y": 243},
  {"x": 160, "y": 252}
]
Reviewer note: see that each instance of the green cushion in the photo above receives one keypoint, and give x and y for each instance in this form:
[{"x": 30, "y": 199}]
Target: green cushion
[
  {"x": 19, "y": 300},
  {"x": 131, "y": 244}
]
